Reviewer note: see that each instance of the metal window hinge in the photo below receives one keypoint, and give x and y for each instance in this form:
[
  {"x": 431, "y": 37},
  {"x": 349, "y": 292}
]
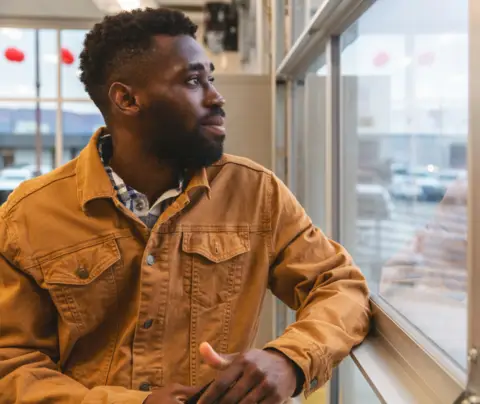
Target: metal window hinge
[{"x": 467, "y": 398}]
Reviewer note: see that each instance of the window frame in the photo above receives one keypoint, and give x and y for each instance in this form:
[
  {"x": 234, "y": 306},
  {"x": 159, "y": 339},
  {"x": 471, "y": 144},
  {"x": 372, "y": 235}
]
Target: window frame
[
  {"x": 59, "y": 26},
  {"x": 393, "y": 358}
]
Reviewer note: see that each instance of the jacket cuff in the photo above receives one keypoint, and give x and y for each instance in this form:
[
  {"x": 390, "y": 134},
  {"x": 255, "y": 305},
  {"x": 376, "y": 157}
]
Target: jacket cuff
[
  {"x": 315, "y": 365},
  {"x": 300, "y": 376}
]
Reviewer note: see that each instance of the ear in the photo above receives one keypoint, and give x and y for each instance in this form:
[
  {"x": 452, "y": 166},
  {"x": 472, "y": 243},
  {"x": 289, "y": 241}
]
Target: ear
[{"x": 123, "y": 98}]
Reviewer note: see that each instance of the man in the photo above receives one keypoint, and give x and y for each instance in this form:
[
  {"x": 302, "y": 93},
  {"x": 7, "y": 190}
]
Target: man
[{"x": 136, "y": 272}]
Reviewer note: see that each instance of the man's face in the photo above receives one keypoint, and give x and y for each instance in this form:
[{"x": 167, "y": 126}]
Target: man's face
[{"x": 180, "y": 114}]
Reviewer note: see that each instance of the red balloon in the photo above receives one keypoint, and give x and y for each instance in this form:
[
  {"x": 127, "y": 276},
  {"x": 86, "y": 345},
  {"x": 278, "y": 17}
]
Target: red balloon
[
  {"x": 67, "y": 56},
  {"x": 14, "y": 55},
  {"x": 381, "y": 59}
]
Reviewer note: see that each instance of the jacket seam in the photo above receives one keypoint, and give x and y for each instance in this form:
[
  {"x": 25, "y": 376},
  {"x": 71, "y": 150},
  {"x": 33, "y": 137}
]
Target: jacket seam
[
  {"x": 260, "y": 169},
  {"x": 269, "y": 220},
  {"x": 29, "y": 192}
]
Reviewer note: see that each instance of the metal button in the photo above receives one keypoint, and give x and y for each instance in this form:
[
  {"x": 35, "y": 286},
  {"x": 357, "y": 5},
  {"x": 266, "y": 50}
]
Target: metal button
[
  {"x": 313, "y": 384},
  {"x": 150, "y": 260},
  {"x": 147, "y": 324},
  {"x": 145, "y": 386},
  {"x": 82, "y": 273}
]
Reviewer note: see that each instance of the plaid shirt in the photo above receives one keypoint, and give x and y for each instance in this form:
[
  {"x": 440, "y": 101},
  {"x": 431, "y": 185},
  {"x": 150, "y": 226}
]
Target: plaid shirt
[{"x": 132, "y": 199}]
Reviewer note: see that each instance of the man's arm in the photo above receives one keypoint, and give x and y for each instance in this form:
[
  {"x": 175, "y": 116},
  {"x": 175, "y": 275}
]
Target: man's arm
[
  {"x": 316, "y": 277},
  {"x": 29, "y": 346}
]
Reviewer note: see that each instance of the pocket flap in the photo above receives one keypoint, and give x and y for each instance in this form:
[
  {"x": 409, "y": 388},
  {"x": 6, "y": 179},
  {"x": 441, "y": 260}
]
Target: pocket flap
[
  {"x": 82, "y": 266},
  {"x": 216, "y": 247}
]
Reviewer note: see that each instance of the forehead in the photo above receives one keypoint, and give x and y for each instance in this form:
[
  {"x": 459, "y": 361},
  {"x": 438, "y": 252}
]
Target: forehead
[{"x": 181, "y": 53}]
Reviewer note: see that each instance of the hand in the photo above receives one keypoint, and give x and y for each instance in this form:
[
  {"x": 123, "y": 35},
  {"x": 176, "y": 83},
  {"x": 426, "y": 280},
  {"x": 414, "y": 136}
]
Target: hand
[
  {"x": 174, "y": 394},
  {"x": 255, "y": 376}
]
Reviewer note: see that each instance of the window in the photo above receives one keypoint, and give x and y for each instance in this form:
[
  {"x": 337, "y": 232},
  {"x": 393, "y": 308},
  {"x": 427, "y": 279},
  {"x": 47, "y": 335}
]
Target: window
[
  {"x": 313, "y": 6},
  {"x": 28, "y": 141},
  {"x": 354, "y": 388},
  {"x": 72, "y": 45},
  {"x": 387, "y": 98},
  {"x": 18, "y": 62},
  {"x": 399, "y": 126}
]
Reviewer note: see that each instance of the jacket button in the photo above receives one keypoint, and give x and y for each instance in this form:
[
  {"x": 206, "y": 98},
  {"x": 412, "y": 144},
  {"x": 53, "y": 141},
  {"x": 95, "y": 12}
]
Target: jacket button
[
  {"x": 145, "y": 387},
  {"x": 150, "y": 260},
  {"x": 313, "y": 384},
  {"x": 82, "y": 273},
  {"x": 147, "y": 324}
]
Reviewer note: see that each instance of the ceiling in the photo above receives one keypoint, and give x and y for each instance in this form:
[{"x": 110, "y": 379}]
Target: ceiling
[{"x": 84, "y": 9}]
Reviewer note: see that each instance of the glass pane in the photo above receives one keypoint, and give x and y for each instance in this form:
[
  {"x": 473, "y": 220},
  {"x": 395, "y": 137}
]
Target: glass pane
[
  {"x": 280, "y": 133},
  {"x": 299, "y": 19},
  {"x": 311, "y": 153},
  {"x": 354, "y": 389},
  {"x": 72, "y": 45},
  {"x": 80, "y": 121},
  {"x": 18, "y": 157},
  {"x": 404, "y": 169},
  {"x": 18, "y": 63},
  {"x": 281, "y": 46},
  {"x": 314, "y": 5}
]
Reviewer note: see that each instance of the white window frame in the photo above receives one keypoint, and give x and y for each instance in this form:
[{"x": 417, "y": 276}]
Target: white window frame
[
  {"x": 393, "y": 358},
  {"x": 57, "y": 25}
]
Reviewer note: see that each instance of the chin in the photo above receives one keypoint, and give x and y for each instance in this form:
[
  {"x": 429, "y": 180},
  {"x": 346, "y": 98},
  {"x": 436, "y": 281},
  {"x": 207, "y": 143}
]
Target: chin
[{"x": 203, "y": 157}]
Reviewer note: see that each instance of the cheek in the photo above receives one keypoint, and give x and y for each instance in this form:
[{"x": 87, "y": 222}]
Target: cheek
[{"x": 191, "y": 109}]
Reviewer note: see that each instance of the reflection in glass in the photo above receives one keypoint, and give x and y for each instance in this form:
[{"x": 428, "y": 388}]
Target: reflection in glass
[{"x": 405, "y": 119}]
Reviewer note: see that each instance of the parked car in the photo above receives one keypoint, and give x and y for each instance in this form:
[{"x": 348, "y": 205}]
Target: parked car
[
  {"x": 419, "y": 183},
  {"x": 12, "y": 176}
]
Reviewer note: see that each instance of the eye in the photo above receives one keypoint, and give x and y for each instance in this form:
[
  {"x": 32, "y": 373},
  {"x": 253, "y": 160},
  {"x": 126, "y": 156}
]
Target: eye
[{"x": 193, "y": 81}]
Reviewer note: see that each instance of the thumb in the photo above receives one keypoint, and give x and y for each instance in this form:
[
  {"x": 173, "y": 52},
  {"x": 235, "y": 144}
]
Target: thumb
[{"x": 213, "y": 359}]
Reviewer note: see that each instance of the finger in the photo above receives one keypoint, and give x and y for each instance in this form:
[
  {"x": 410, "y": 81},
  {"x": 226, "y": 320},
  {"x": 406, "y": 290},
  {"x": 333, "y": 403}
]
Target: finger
[
  {"x": 257, "y": 395},
  {"x": 184, "y": 392},
  {"x": 263, "y": 393},
  {"x": 222, "y": 384},
  {"x": 213, "y": 359},
  {"x": 249, "y": 380}
]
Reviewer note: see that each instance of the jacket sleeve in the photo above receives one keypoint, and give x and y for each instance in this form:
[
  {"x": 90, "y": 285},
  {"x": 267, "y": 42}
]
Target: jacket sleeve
[
  {"x": 316, "y": 277},
  {"x": 29, "y": 346}
]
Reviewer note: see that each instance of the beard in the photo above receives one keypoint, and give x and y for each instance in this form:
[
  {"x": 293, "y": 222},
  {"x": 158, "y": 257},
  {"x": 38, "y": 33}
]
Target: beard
[{"x": 186, "y": 149}]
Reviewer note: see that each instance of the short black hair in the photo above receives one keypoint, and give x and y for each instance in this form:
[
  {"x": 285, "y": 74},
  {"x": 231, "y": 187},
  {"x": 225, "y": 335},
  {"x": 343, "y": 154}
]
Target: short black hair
[{"x": 117, "y": 45}]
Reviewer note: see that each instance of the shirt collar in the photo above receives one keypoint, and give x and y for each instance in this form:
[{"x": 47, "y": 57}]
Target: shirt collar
[{"x": 92, "y": 185}]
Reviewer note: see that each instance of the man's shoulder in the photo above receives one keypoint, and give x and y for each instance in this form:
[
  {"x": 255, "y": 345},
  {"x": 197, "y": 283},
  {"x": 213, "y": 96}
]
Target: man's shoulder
[
  {"x": 233, "y": 162},
  {"x": 42, "y": 188}
]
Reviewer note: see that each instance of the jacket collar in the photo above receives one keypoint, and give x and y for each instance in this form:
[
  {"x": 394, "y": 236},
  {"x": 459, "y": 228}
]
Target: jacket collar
[{"x": 93, "y": 181}]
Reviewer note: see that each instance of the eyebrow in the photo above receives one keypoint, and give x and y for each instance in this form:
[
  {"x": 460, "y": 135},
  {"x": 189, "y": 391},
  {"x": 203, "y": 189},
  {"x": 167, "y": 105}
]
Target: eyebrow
[{"x": 200, "y": 67}]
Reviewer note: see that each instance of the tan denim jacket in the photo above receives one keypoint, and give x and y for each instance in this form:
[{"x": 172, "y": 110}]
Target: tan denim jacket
[{"x": 96, "y": 308}]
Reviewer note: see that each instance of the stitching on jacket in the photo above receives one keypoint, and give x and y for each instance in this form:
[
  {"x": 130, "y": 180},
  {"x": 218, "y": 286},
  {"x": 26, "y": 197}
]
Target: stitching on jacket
[{"x": 22, "y": 194}]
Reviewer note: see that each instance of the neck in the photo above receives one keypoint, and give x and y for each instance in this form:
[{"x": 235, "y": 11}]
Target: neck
[{"x": 139, "y": 169}]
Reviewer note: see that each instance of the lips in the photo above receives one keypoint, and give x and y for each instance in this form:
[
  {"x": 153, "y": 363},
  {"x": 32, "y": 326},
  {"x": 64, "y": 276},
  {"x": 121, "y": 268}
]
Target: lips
[{"x": 214, "y": 121}]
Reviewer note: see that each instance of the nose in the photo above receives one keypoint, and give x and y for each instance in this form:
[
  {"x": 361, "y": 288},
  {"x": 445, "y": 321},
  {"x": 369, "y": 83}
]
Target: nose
[{"x": 213, "y": 98}]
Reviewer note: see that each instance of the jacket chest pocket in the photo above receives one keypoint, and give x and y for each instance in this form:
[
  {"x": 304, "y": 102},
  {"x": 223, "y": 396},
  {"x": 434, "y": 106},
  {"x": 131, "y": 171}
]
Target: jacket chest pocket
[
  {"x": 214, "y": 265},
  {"x": 82, "y": 284}
]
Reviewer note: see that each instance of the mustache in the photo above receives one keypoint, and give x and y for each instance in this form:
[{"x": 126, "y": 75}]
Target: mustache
[{"x": 215, "y": 111}]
